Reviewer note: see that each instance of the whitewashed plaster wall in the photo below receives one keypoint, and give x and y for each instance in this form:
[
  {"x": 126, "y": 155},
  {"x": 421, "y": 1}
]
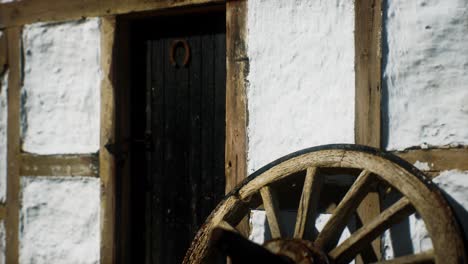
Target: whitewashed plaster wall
[
  {"x": 425, "y": 73},
  {"x": 60, "y": 110},
  {"x": 60, "y": 96},
  {"x": 425, "y": 96},
  {"x": 59, "y": 220},
  {"x": 301, "y": 79},
  {"x": 3, "y": 135}
]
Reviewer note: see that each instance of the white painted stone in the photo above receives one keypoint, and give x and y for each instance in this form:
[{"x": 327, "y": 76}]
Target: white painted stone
[
  {"x": 424, "y": 166},
  {"x": 60, "y": 96},
  {"x": 2, "y": 242},
  {"x": 3, "y": 135},
  {"x": 425, "y": 74},
  {"x": 59, "y": 220},
  {"x": 301, "y": 79},
  {"x": 455, "y": 184},
  {"x": 409, "y": 237},
  {"x": 257, "y": 223}
]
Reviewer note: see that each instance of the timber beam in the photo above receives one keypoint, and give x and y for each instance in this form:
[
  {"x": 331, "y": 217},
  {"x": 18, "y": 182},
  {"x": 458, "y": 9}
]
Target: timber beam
[
  {"x": 30, "y": 11},
  {"x": 59, "y": 165},
  {"x": 367, "y": 45},
  {"x": 437, "y": 159}
]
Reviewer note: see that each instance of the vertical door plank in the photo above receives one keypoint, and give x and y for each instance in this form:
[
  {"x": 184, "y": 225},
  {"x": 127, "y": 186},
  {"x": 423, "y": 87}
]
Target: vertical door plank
[
  {"x": 181, "y": 186},
  {"x": 195, "y": 133},
  {"x": 148, "y": 199},
  {"x": 157, "y": 156},
  {"x": 170, "y": 158},
  {"x": 219, "y": 123},
  {"x": 206, "y": 124}
]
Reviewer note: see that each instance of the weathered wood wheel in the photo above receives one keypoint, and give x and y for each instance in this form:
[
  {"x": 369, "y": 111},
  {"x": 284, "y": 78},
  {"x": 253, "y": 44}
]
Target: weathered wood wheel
[{"x": 373, "y": 170}]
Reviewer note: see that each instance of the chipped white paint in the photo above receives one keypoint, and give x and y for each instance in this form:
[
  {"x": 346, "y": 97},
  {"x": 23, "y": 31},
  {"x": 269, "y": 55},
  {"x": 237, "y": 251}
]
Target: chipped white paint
[
  {"x": 425, "y": 73},
  {"x": 60, "y": 96},
  {"x": 59, "y": 220},
  {"x": 424, "y": 166},
  {"x": 2, "y": 242},
  {"x": 301, "y": 79},
  {"x": 3, "y": 135}
]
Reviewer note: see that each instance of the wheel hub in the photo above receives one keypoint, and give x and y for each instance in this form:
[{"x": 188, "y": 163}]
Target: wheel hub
[{"x": 297, "y": 250}]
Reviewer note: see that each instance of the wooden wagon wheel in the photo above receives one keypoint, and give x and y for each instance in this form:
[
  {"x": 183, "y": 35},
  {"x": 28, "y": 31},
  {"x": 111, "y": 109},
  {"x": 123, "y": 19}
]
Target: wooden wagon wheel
[{"x": 373, "y": 169}]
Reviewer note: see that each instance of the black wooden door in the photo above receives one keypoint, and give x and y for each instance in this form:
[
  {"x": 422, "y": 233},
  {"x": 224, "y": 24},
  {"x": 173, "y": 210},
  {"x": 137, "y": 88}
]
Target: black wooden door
[{"x": 185, "y": 120}]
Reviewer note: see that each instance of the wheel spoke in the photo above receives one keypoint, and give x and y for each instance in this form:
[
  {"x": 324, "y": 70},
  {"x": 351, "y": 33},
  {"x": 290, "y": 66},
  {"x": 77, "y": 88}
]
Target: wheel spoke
[
  {"x": 424, "y": 257},
  {"x": 270, "y": 203},
  {"x": 364, "y": 236},
  {"x": 307, "y": 211},
  {"x": 337, "y": 222},
  {"x": 225, "y": 225}
]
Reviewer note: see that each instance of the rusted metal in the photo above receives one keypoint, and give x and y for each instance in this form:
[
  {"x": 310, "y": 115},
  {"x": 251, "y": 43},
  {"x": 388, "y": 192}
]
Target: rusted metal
[
  {"x": 241, "y": 250},
  {"x": 174, "y": 45},
  {"x": 297, "y": 250}
]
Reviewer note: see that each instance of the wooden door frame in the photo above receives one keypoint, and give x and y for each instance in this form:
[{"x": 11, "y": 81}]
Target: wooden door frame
[{"x": 236, "y": 112}]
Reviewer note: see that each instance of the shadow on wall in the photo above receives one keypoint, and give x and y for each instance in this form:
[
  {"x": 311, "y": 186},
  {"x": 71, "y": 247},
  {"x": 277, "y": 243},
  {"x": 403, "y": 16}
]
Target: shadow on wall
[
  {"x": 461, "y": 214},
  {"x": 400, "y": 234},
  {"x": 384, "y": 100},
  {"x": 404, "y": 239}
]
